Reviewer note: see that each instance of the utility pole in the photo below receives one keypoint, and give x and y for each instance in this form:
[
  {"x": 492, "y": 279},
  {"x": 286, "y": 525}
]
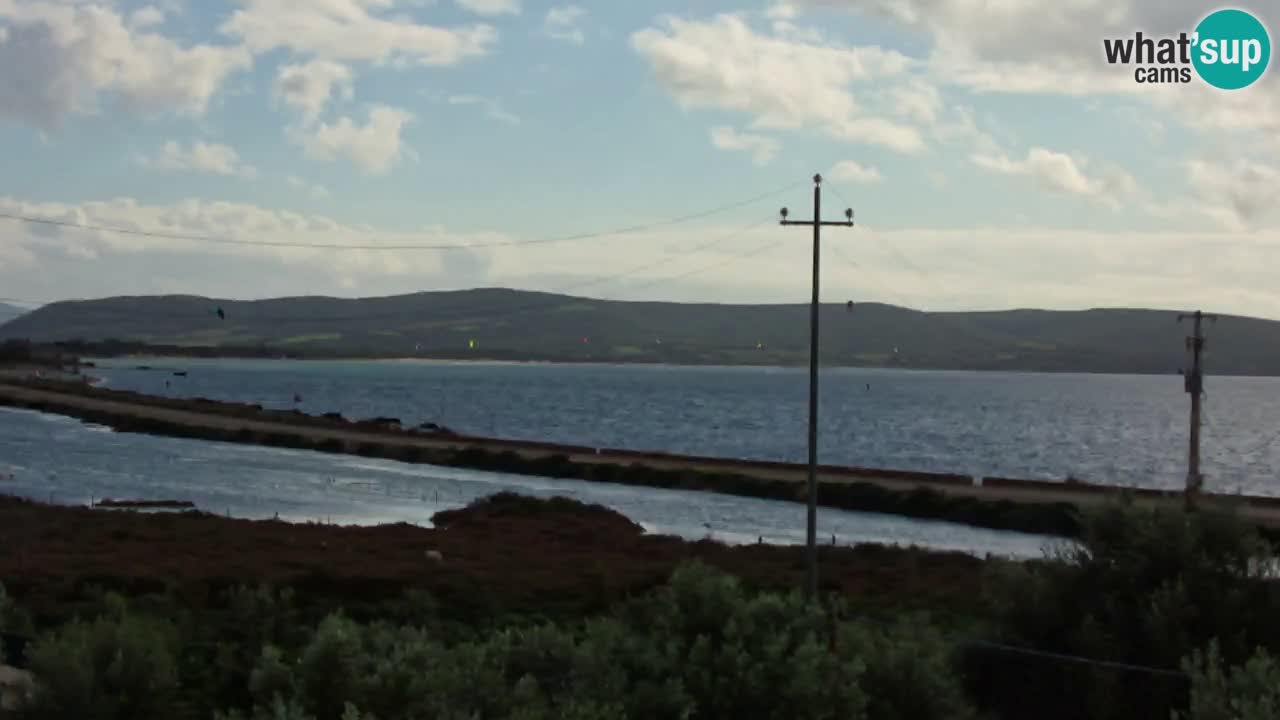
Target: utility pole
[
  {"x": 811, "y": 574},
  {"x": 1194, "y": 385}
]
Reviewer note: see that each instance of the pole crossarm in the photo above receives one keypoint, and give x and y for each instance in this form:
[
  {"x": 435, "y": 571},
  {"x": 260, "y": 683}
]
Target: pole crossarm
[
  {"x": 817, "y": 223},
  {"x": 824, "y": 223}
]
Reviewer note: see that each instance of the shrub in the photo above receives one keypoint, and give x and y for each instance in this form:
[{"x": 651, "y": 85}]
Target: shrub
[
  {"x": 699, "y": 647},
  {"x": 278, "y": 709},
  {"x": 1246, "y": 692},
  {"x": 113, "y": 667},
  {"x": 329, "y": 668},
  {"x": 910, "y": 672},
  {"x": 272, "y": 678},
  {"x": 1145, "y": 586},
  {"x": 736, "y": 656}
]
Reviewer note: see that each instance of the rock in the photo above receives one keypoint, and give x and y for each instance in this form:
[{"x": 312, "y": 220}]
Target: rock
[
  {"x": 435, "y": 556},
  {"x": 16, "y": 687}
]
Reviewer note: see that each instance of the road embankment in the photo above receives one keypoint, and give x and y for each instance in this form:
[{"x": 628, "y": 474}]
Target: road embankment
[{"x": 996, "y": 503}]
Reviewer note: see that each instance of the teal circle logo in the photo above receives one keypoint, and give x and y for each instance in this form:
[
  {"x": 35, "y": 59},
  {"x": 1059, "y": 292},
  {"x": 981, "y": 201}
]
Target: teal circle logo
[{"x": 1232, "y": 49}]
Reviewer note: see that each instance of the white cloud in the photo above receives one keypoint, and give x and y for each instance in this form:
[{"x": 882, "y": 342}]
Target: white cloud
[
  {"x": 992, "y": 269},
  {"x": 561, "y": 23},
  {"x": 1017, "y": 46},
  {"x": 59, "y": 57},
  {"x": 310, "y": 86},
  {"x": 781, "y": 11},
  {"x": 146, "y": 16},
  {"x": 968, "y": 268},
  {"x": 93, "y": 262},
  {"x": 374, "y": 147},
  {"x": 917, "y": 99},
  {"x": 1238, "y": 195},
  {"x": 353, "y": 30},
  {"x": 201, "y": 157},
  {"x": 781, "y": 18},
  {"x": 493, "y": 108},
  {"x": 1062, "y": 174},
  {"x": 850, "y": 171},
  {"x": 315, "y": 190},
  {"x": 878, "y": 131},
  {"x": 762, "y": 148},
  {"x": 783, "y": 83},
  {"x": 491, "y": 7}
]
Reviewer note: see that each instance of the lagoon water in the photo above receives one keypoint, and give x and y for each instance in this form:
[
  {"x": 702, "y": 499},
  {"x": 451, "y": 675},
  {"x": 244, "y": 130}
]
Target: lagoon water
[
  {"x": 1103, "y": 428},
  {"x": 59, "y": 459},
  {"x": 1117, "y": 429}
]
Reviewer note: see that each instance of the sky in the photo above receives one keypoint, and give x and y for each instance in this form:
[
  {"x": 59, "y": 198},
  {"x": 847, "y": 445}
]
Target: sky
[{"x": 992, "y": 157}]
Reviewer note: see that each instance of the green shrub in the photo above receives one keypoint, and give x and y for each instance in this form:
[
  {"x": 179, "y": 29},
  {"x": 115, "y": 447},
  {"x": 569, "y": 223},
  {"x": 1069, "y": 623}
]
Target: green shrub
[
  {"x": 278, "y": 709},
  {"x": 113, "y": 667},
  {"x": 1246, "y": 692},
  {"x": 699, "y": 647},
  {"x": 330, "y": 667},
  {"x": 271, "y": 678},
  {"x": 1145, "y": 586},
  {"x": 910, "y": 671}
]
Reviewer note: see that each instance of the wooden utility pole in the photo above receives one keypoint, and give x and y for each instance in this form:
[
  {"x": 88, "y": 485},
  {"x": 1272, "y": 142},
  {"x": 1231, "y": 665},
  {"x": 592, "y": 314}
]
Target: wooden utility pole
[
  {"x": 811, "y": 574},
  {"x": 1194, "y": 384}
]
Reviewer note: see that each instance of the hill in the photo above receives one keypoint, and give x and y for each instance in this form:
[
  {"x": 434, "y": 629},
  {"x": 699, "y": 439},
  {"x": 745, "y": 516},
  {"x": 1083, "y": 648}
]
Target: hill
[
  {"x": 9, "y": 312},
  {"x": 519, "y": 325}
]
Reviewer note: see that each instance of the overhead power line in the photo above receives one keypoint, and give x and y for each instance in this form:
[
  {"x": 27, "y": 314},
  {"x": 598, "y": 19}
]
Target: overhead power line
[
  {"x": 666, "y": 260},
  {"x": 632, "y": 229},
  {"x": 550, "y": 303},
  {"x": 712, "y": 266}
]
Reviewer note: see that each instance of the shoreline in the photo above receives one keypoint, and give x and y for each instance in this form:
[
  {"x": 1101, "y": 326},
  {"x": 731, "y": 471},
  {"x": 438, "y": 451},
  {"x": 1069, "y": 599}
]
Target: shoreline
[{"x": 996, "y": 503}]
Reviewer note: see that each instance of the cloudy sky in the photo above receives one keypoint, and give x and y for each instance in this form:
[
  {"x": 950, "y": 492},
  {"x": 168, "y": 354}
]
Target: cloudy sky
[{"x": 993, "y": 159}]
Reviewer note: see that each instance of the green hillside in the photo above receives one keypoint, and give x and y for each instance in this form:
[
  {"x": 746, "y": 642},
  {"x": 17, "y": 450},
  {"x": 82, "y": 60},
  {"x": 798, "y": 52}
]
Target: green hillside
[{"x": 518, "y": 325}]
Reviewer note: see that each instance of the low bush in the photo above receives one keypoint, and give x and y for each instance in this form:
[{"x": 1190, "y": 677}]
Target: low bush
[
  {"x": 119, "y": 666},
  {"x": 1145, "y": 585},
  {"x": 1250, "y": 691},
  {"x": 700, "y": 646}
]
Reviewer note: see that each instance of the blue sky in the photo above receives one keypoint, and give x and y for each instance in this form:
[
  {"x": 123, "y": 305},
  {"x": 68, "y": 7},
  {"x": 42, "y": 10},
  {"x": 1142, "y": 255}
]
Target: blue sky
[{"x": 993, "y": 159}]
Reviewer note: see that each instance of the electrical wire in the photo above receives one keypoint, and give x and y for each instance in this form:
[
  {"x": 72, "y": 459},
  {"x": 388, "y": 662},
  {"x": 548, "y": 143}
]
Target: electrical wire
[
  {"x": 557, "y": 300},
  {"x": 898, "y": 255},
  {"x": 729, "y": 261},
  {"x": 444, "y": 247}
]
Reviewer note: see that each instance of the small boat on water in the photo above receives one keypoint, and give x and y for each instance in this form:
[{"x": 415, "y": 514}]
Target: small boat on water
[{"x": 180, "y": 373}]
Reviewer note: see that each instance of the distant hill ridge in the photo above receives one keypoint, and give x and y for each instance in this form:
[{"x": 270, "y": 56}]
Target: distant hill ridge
[{"x": 522, "y": 325}]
